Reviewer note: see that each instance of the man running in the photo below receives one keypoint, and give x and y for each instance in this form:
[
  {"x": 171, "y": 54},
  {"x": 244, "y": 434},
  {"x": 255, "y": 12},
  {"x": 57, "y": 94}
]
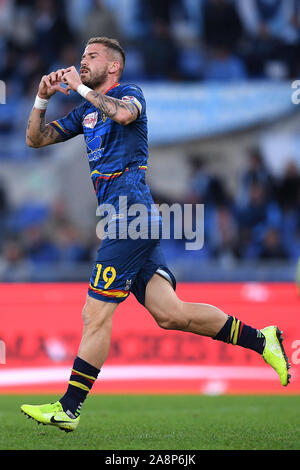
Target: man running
[{"x": 113, "y": 121}]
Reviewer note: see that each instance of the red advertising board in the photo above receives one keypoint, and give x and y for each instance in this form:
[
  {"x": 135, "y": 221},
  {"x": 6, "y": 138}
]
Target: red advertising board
[{"x": 41, "y": 326}]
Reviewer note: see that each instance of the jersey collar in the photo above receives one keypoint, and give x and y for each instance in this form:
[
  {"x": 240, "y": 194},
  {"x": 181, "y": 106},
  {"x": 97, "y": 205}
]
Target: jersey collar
[{"x": 114, "y": 86}]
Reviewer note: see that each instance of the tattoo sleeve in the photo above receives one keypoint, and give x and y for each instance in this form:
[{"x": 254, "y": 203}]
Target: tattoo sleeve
[
  {"x": 114, "y": 108},
  {"x": 40, "y": 134}
]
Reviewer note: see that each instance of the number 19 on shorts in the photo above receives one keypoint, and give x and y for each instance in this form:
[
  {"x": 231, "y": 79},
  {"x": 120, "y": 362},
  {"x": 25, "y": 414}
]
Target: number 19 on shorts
[{"x": 108, "y": 275}]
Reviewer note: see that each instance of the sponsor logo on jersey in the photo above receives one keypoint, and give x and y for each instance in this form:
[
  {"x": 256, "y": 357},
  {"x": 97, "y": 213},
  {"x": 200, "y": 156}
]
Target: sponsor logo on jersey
[
  {"x": 128, "y": 284},
  {"x": 91, "y": 120}
]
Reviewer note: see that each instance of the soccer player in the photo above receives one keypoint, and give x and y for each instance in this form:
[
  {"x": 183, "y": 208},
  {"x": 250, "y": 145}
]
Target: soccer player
[{"x": 112, "y": 119}]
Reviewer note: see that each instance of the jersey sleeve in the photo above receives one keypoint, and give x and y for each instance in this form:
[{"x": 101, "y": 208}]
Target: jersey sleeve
[
  {"x": 70, "y": 125},
  {"x": 133, "y": 94}
]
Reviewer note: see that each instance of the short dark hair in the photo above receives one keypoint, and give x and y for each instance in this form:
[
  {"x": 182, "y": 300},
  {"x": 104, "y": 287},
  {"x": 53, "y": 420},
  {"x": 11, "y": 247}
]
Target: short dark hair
[{"x": 110, "y": 44}]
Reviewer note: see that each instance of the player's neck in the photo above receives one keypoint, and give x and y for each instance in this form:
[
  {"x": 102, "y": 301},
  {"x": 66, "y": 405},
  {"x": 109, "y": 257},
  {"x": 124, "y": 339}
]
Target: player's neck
[{"x": 105, "y": 87}]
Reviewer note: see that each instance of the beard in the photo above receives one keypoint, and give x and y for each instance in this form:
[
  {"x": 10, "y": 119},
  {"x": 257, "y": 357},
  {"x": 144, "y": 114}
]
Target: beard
[{"x": 93, "y": 80}]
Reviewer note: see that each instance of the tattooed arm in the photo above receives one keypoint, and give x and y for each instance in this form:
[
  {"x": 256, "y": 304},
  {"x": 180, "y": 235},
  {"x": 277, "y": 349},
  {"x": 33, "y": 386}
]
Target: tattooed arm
[
  {"x": 120, "y": 111},
  {"x": 39, "y": 133}
]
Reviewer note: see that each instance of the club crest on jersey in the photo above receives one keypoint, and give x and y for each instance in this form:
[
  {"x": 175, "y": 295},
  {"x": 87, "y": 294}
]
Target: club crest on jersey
[{"x": 91, "y": 120}]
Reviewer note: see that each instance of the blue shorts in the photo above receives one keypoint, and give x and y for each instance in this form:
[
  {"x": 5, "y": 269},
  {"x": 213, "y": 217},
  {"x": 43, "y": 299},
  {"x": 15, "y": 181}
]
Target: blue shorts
[{"x": 124, "y": 266}]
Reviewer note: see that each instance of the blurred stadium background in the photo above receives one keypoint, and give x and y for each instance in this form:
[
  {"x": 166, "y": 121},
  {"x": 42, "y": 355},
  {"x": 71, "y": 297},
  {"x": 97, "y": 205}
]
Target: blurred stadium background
[{"x": 223, "y": 131}]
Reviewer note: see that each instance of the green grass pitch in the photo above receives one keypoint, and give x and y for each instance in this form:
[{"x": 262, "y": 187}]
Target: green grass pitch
[{"x": 152, "y": 422}]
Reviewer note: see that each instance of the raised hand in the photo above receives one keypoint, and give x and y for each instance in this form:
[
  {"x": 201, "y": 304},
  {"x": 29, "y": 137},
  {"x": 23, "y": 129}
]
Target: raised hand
[
  {"x": 71, "y": 78},
  {"x": 51, "y": 83}
]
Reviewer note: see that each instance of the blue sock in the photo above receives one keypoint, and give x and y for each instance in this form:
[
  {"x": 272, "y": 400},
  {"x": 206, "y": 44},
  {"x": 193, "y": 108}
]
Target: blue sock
[
  {"x": 238, "y": 333},
  {"x": 82, "y": 378}
]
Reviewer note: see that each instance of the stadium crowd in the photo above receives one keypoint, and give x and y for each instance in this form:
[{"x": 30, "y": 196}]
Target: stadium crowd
[
  {"x": 202, "y": 39},
  {"x": 261, "y": 220},
  {"x": 199, "y": 40}
]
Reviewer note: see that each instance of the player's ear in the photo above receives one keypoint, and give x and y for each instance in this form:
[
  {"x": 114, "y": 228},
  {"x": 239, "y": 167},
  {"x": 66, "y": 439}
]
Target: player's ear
[{"x": 114, "y": 66}]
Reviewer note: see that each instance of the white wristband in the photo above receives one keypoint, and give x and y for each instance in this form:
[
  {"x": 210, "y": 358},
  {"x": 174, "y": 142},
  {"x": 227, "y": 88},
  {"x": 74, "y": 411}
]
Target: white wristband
[
  {"x": 40, "y": 103},
  {"x": 83, "y": 90}
]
